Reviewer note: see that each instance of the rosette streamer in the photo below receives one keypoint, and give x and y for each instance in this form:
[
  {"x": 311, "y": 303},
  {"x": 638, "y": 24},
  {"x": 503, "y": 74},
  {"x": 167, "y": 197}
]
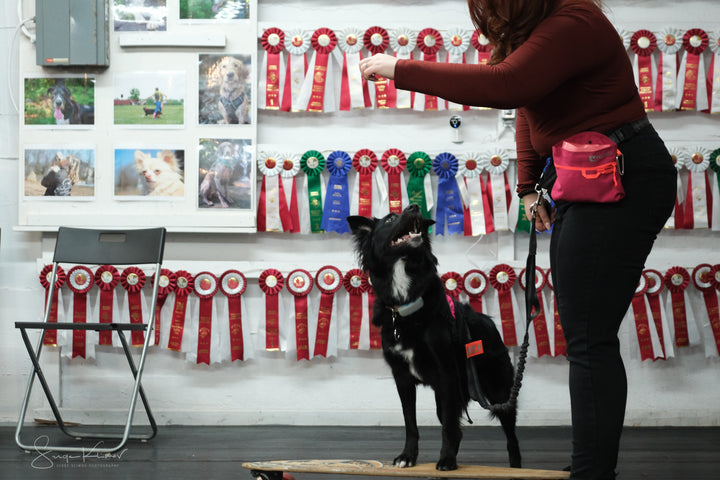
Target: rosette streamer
[
  {"x": 353, "y": 88},
  {"x": 697, "y": 201},
  {"x": 669, "y": 44},
  {"x": 692, "y": 90},
  {"x": 317, "y": 93},
  {"x": 484, "y": 50},
  {"x": 272, "y": 73},
  {"x": 133, "y": 281},
  {"x": 375, "y": 338},
  {"x": 106, "y": 278},
  {"x": 271, "y": 282},
  {"x": 80, "y": 281},
  {"x": 429, "y": 41},
  {"x": 449, "y": 205},
  {"x": 643, "y": 43},
  {"x": 643, "y": 325},
  {"x": 713, "y": 75},
  {"x": 540, "y": 326},
  {"x": 497, "y": 187},
  {"x": 453, "y": 284},
  {"x": 233, "y": 284},
  {"x": 677, "y": 280},
  {"x": 502, "y": 277},
  {"x": 456, "y": 42},
  {"x": 356, "y": 284},
  {"x": 477, "y": 215},
  {"x": 297, "y": 42},
  {"x": 558, "y": 341},
  {"x": 328, "y": 280},
  {"x": 291, "y": 166},
  {"x": 677, "y": 218},
  {"x": 50, "y": 337},
  {"x": 365, "y": 163},
  {"x": 184, "y": 286},
  {"x": 393, "y": 162},
  {"x": 337, "y": 198},
  {"x": 167, "y": 285},
  {"x": 714, "y": 173},
  {"x": 377, "y": 40},
  {"x": 402, "y": 41},
  {"x": 206, "y": 285},
  {"x": 654, "y": 280},
  {"x": 273, "y": 213},
  {"x": 704, "y": 280},
  {"x": 299, "y": 284},
  {"x": 419, "y": 187},
  {"x": 475, "y": 283},
  {"x": 313, "y": 163}
]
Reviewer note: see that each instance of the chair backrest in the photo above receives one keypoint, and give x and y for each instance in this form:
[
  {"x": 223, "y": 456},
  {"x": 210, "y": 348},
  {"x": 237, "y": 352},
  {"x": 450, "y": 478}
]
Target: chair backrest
[{"x": 113, "y": 247}]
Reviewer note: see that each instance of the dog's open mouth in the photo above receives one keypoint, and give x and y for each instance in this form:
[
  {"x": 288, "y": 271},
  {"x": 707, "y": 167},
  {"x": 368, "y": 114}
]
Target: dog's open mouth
[{"x": 410, "y": 236}]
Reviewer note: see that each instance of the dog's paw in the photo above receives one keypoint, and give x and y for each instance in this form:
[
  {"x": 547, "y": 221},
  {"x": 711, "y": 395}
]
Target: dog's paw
[
  {"x": 445, "y": 464},
  {"x": 404, "y": 461}
]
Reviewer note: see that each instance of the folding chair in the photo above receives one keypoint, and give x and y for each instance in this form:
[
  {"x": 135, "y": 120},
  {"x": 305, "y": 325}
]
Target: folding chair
[{"x": 96, "y": 247}]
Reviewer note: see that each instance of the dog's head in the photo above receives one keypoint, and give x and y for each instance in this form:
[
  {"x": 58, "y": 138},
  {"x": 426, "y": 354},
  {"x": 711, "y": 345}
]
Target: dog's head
[
  {"x": 395, "y": 241},
  {"x": 155, "y": 170},
  {"x": 60, "y": 99},
  {"x": 231, "y": 73}
]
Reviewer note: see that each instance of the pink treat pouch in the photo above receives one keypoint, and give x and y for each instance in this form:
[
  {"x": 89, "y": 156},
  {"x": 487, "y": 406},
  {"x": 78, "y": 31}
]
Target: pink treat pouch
[{"x": 587, "y": 169}]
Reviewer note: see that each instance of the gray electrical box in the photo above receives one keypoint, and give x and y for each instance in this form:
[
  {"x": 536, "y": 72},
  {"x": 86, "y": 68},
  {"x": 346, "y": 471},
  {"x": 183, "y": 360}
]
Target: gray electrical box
[{"x": 72, "y": 32}]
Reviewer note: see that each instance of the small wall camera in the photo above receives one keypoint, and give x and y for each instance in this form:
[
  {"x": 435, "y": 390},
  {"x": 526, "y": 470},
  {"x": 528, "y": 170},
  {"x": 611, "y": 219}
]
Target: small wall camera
[{"x": 455, "y": 124}]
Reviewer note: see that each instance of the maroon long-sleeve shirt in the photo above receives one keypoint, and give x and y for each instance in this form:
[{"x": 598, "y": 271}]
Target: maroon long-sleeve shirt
[{"x": 572, "y": 74}]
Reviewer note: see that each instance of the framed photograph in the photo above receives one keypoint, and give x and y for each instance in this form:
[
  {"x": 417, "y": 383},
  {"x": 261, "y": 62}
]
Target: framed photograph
[
  {"x": 225, "y": 173},
  {"x": 140, "y": 15},
  {"x": 149, "y": 98},
  {"x": 59, "y": 172},
  {"x": 214, "y": 10},
  {"x": 59, "y": 102},
  {"x": 149, "y": 173},
  {"x": 225, "y": 89}
]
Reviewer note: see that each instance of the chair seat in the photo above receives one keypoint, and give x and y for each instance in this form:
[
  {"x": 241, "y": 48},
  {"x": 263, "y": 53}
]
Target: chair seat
[{"x": 98, "y": 327}]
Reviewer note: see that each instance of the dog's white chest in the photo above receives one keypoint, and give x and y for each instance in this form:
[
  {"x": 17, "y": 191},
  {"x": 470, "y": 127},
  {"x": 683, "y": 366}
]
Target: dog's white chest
[
  {"x": 400, "y": 281},
  {"x": 408, "y": 354}
]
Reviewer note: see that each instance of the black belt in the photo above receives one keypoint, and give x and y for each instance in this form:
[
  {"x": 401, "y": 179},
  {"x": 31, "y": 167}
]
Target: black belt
[{"x": 627, "y": 131}]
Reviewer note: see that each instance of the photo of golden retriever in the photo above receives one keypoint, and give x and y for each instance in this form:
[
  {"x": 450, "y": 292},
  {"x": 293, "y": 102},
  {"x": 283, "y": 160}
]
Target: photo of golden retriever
[{"x": 225, "y": 89}]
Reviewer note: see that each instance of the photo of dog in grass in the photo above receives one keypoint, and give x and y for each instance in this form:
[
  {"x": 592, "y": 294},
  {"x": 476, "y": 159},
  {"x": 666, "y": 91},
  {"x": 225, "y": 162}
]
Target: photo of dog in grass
[
  {"x": 149, "y": 173},
  {"x": 60, "y": 102},
  {"x": 155, "y": 99}
]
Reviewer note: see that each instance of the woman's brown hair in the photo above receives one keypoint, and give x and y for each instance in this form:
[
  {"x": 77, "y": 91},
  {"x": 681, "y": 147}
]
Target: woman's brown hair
[{"x": 508, "y": 23}]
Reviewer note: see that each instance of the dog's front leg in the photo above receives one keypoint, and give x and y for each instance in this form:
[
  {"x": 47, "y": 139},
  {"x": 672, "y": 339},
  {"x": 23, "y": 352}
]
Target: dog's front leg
[
  {"x": 408, "y": 395},
  {"x": 449, "y": 409}
]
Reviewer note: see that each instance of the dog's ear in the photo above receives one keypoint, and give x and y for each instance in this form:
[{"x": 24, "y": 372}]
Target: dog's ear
[
  {"x": 427, "y": 223},
  {"x": 361, "y": 226}
]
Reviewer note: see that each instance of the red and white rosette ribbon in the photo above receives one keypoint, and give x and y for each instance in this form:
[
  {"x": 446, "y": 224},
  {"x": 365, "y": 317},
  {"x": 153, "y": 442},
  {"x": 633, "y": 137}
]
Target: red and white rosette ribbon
[
  {"x": 377, "y": 40},
  {"x": 365, "y": 162},
  {"x": 393, "y": 161},
  {"x": 297, "y": 42},
  {"x": 51, "y": 337},
  {"x": 133, "y": 280},
  {"x": 704, "y": 280},
  {"x": 206, "y": 285},
  {"x": 356, "y": 284},
  {"x": 429, "y": 41},
  {"x": 453, "y": 284},
  {"x": 80, "y": 281},
  {"x": 655, "y": 285},
  {"x": 271, "y": 282},
  {"x": 456, "y": 41},
  {"x": 273, "y": 213},
  {"x": 106, "y": 278},
  {"x": 697, "y": 201},
  {"x": 643, "y": 43},
  {"x": 375, "y": 331},
  {"x": 643, "y": 324},
  {"x": 290, "y": 169},
  {"x": 482, "y": 46},
  {"x": 318, "y": 90},
  {"x": 692, "y": 90},
  {"x": 403, "y": 41},
  {"x": 502, "y": 278},
  {"x": 497, "y": 188},
  {"x": 677, "y": 280},
  {"x": 540, "y": 326},
  {"x": 477, "y": 211},
  {"x": 558, "y": 336},
  {"x": 272, "y": 73},
  {"x": 299, "y": 283},
  {"x": 353, "y": 88},
  {"x": 677, "y": 218},
  {"x": 167, "y": 285},
  {"x": 328, "y": 280},
  {"x": 184, "y": 286},
  {"x": 475, "y": 284},
  {"x": 233, "y": 284},
  {"x": 669, "y": 42},
  {"x": 713, "y": 75}
]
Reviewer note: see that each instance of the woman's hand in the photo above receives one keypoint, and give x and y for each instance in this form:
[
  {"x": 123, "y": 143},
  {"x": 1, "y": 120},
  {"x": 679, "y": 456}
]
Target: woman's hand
[
  {"x": 380, "y": 65},
  {"x": 545, "y": 216}
]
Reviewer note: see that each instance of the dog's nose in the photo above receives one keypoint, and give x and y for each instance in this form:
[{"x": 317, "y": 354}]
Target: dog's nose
[
  {"x": 413, "y": 208},
  {"x": 231, "y": 74}
]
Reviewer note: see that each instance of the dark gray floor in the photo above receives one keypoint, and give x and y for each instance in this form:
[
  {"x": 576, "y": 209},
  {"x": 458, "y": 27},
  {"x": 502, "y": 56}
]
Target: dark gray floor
[{"x": 209, "y": 453}]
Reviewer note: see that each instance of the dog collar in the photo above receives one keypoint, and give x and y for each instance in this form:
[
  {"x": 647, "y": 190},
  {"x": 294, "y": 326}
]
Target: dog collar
[{"x": 409, "y": 308}]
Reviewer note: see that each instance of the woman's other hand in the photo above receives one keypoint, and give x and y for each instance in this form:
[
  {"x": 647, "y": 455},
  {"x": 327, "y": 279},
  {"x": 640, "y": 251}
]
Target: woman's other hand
[{"x": 380, "y": 65}]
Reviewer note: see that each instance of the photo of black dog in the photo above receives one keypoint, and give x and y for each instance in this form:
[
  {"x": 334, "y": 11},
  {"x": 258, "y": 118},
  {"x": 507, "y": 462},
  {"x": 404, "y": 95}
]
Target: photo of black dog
[
  {"x": 150, "y": 111},
  {"x": 424, "y": 334},
  {"x": 66, "y": 110}
]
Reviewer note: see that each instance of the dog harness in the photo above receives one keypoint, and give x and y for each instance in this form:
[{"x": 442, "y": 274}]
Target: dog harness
[{"x": 231, "y": 106}]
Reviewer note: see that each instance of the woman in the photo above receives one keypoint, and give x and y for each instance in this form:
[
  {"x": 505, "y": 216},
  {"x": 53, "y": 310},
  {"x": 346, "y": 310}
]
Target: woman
[{"x": 563, "y": 66}]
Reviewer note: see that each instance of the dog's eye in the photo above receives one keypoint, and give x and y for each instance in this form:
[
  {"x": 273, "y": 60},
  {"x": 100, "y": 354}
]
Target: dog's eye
[{"x": 391, "y": 218}]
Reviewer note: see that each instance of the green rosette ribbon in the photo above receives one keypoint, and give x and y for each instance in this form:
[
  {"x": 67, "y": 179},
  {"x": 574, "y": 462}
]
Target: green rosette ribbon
[
  {"x": 523, "y": 224},
  {"x": 313, "y": 163},
  {"x": 715, "y": 166},
  {"x": 419, "y": 165}
]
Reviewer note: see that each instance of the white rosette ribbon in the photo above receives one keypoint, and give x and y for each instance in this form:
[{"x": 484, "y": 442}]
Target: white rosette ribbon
[{"x": 496, "y": 162}]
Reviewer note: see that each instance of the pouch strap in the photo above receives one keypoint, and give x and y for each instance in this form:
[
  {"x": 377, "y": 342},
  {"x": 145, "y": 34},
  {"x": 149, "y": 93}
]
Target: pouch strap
[{"x": 627, "y": 131}]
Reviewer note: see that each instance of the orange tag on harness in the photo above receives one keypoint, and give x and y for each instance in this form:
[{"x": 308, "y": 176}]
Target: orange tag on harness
[{"x": 474, "y": 348}]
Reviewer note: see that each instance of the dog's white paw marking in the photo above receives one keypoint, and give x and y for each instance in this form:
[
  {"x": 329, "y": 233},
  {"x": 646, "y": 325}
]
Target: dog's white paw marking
[
  {"x": 408, "y": 355},
  {"x": 400, "y": 281}
]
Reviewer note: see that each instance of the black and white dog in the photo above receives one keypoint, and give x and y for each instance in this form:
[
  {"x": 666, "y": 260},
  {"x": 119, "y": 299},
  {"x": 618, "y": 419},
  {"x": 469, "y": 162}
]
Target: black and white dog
[
  {"x": 66, "y": 110},
  {"x": 424, "y": 334}
]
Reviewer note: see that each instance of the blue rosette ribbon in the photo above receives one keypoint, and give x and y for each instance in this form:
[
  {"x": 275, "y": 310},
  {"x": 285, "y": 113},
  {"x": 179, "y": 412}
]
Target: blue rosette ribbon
[
  {"x": 337, "y": 196},
  {"x": 449, "y": 204}
]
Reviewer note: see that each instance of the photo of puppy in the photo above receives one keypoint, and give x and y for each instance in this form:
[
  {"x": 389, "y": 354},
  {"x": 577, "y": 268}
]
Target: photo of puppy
[
  {"x": 225, "y": 174},
  {"x": 424, "y": 333},
  {"x": 59, "y": 101},
  {"x": 225, "y": 89},
  {"x": 60, "y": 172},
  {"x": 149, "y": 173}
]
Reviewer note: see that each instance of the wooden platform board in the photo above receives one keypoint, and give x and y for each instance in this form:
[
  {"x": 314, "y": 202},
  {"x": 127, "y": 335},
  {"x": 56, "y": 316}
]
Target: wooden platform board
[{"x": 380, "y": 469}]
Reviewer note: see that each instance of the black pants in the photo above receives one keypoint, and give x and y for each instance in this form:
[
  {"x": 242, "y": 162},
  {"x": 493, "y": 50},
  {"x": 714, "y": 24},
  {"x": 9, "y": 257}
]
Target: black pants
[{"x": 597, "y": 254}]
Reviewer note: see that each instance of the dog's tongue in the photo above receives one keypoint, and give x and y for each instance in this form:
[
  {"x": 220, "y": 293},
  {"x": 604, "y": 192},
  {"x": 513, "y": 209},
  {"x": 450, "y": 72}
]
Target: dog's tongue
[
  {"x": 58, "y": 114},
  {"x": 214, "y": 8}
]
